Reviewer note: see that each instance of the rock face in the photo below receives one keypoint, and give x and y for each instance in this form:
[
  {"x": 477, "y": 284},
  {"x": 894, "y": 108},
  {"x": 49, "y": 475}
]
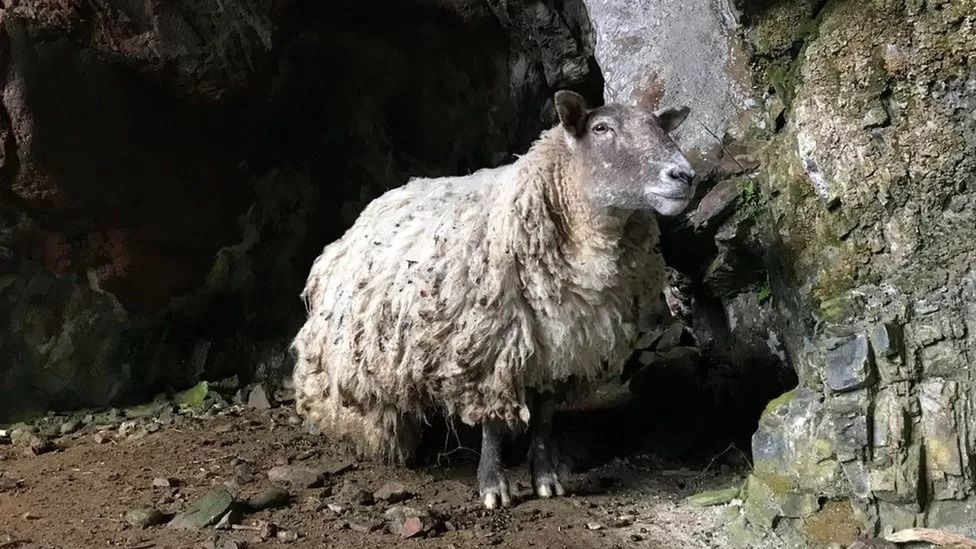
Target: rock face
[
  {"x": 847, "y": 250},
  {"x": 169, "y": 169},
  {"x": 870, "y": 190},
  {"x": 669, "y": 52}
]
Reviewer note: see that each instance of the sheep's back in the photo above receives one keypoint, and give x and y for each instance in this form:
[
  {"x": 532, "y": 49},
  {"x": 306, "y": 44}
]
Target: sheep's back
[{"x": 383, "y": 299}]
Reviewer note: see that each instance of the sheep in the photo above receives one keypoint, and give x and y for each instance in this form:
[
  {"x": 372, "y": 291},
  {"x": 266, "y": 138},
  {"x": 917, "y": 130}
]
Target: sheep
[{"x": 484, "y": 296}]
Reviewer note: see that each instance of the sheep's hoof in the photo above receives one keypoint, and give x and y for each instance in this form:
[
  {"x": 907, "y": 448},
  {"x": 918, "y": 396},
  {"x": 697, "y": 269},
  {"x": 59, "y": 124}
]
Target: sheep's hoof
[
  {"x": 547, "y": 485},
  {"x": 497, "y": 495},
  {"x": 547, "y": 474}
]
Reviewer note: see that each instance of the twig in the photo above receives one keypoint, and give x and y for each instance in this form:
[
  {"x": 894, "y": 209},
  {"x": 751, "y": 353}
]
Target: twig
[
  {"x": 245, "y": 527},
  {"x": 933, "y": 536},
  {"x": 724, "y": 148},
  {"x": 731, "y": 446}
]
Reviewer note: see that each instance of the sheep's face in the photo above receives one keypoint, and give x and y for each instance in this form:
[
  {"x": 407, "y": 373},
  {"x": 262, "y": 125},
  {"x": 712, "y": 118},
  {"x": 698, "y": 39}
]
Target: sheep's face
[{"x": 629, "y": 160}]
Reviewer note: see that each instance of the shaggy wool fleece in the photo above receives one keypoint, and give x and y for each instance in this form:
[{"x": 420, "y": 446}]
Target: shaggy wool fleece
[{"x": 463, "y": 293}]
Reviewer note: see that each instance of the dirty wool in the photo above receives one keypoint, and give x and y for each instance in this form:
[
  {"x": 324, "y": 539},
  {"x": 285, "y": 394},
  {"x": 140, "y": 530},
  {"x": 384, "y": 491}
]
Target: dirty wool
[{"x": 462, "y": 294}]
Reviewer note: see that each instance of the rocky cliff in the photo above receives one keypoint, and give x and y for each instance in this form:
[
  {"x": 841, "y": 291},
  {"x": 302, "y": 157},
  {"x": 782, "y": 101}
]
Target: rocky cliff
[{"x": 836, "y": 236}]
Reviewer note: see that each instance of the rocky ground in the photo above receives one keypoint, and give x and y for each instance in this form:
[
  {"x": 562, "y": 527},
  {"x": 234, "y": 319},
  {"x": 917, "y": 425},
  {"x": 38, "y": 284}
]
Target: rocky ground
[{"x": 198, "y": 469}]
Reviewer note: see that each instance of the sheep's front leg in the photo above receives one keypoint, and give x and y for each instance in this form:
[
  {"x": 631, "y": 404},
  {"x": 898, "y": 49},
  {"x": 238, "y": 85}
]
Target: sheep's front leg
[
  {"x": 543, "y": 456},
  {"x": 492, "y": 484}
]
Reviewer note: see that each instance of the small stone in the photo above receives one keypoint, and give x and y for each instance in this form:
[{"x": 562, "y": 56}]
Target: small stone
[
  {"x": 352, "y": 493},
  {"x": 102, "y": 437},
  {"x": 7, "y": 483},
  {"x": 313, "y": 504},
  {"x": 338, "y": 468},
  {"x": 594, "y": 526},
  {"x": 225, "y": 428},
  {"x": 164, "y": 482},
  {"x": 269, "y": 498},
  {"x": 622, "y": 521},
  {"x": 294, "y": 420},
  {"x": 258, "y": 398},
  {"x": 295, "y": 476},
  {"x": 365, "y": 525},
  {"x": 286, "y": 536},
  {"x": 230, "y": 518},
  {"x": 70, "y": 426},
  {"x": 307, "y": 454},
  {"x": 38, "y": 445},
  {"x": 336, "y": 508},
  {"x": 144, "y": 517},
  {"x": 392, "y": 492},
  {"x": 406, "y": 521},
  {"x": 29, "y": 516},
  {"x": 713, "y": 497},
  {"x": 268, "y": 530},
  {"x": 205, "y": 511},
  {"x": 412, "y": 526}
]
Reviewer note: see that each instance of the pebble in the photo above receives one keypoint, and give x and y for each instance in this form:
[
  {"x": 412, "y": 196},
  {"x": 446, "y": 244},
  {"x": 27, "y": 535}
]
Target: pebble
[
  {"x": 229, "y": 519},
  {"x": 69, "y": 426},
  {"x": 205, "y": 511},
  {"x": 295, "y": 475},
  {"x": 393, "y": 492},
  {"x": 102, "y": 437},
  {"x": 286, "y": 536},
  {"x": 412, "y": 526},
  {"x": 144, "y": 517},
  {"x": 339, "y": 468},
  {"x": 407, "y": 521},
  {"x": 164, "y": 482},
  {"x": 365, "y": 525},
  {"x": 269, "y": 498},
  {"x": 353, "y": 494},
  {"x": 7, "y": 483},
  {"x": 594, "y": 526},
  {"x": 38, "y": 445},
  {"x": 258, "y": 398}
]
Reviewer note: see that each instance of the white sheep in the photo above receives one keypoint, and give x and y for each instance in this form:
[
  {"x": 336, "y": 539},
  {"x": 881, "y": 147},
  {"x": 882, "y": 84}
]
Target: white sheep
[{"x": 482, "y": 296}]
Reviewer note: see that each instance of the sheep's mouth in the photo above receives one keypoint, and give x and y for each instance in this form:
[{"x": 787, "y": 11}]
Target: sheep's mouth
[{"x": 669, "y": 196}]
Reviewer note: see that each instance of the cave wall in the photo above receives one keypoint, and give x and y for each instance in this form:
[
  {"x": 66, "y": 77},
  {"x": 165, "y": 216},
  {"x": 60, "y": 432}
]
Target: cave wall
[
  {"x": 170, "y": 169},
  {"x": 834, "y": 235},
  {"x": 869, "y": 185}
]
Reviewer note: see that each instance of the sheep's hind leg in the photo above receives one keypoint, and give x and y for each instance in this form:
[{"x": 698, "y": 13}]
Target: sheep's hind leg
[
  {"x": 543, "y": 456},
  {"x": 492, "y": 484}
]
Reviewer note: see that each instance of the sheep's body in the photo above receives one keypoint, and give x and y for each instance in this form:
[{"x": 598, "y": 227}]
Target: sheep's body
[{"x": 463, "y": 293}]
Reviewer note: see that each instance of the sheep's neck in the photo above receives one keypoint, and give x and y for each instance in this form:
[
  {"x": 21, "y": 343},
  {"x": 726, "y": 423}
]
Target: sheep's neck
[{"x": 585, "y": 231}]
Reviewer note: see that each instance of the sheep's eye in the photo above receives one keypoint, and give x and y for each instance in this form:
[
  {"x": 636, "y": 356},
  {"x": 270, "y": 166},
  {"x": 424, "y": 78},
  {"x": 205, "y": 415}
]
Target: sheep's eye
[{"x": 601, "y": 128}]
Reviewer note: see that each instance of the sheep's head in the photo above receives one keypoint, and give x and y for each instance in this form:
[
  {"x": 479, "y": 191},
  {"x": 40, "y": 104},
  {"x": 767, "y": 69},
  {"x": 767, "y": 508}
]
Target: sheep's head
[{"x": 629, "y": 160}]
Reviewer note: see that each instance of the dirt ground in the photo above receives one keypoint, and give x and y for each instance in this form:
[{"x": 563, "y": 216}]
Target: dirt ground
[{"x": 76, "y": 493}]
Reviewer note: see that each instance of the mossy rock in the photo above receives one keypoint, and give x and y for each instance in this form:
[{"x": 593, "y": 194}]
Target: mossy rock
[{"x": 781, "y": 400}]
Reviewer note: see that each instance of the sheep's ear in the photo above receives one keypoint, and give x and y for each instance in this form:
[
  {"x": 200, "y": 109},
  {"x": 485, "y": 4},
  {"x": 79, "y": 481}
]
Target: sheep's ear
[
  {"x": 571, "y": 108},
  {"x": 672, "y": 118}
]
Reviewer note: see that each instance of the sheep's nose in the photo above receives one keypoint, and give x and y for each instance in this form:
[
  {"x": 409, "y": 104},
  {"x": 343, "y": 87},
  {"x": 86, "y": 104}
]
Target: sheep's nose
[{"x": 683, "y": 174}]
